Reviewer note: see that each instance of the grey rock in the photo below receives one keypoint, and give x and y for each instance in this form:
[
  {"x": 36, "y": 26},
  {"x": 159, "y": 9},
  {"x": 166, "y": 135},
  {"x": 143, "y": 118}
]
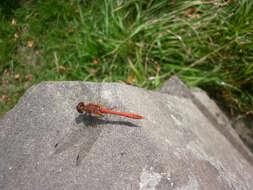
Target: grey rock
[
  {"x": 243, "y": 125},
  {"x": 46, "y": 144}
]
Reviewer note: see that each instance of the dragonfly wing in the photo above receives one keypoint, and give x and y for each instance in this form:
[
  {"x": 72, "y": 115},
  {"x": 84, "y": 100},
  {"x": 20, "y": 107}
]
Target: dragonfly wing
[
  {"x": 89, "y": 137},
  {"x": 69, "y": 140}
]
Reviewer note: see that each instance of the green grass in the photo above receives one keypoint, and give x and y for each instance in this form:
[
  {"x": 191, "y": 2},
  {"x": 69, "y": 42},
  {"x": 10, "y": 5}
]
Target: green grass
[{"x": 143, "y": 43}]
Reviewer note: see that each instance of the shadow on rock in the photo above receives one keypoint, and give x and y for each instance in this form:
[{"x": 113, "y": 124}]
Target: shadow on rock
[{"x": 86, "y": 134}]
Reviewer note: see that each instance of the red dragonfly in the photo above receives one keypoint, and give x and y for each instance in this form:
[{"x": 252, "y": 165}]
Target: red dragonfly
[{"x": 99, "y": 110}]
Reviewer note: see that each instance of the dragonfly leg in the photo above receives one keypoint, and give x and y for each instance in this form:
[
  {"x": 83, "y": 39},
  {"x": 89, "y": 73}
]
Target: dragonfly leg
[{"x": 99, "y": 114}]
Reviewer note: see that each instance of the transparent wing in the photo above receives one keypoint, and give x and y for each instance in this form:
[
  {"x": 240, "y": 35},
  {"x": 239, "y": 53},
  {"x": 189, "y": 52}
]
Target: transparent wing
[{"x": 84, "y": 132}]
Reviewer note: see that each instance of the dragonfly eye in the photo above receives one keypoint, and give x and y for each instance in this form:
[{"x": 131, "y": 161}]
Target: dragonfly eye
[{"x": 80, "y": 107}]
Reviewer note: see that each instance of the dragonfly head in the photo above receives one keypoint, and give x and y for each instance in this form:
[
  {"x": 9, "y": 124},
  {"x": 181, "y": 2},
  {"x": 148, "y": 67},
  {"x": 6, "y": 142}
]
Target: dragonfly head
[{"x": 80, "y": 107}]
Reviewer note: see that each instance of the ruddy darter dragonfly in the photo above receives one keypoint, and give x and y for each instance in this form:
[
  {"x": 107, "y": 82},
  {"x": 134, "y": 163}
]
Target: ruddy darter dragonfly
[{"x": 99, "y": 110}]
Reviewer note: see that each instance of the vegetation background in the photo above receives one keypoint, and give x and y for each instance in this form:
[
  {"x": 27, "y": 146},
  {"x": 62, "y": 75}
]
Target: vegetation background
[{"x": 206, "y": 43}]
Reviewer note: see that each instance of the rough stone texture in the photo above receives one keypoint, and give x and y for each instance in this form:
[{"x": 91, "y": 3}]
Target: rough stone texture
[
  {"x": 46, "y": 144},
  {"x": 221, "y": 122},
  {"x": 176, "y": 87},
  {"x": 243, "y": 126}
]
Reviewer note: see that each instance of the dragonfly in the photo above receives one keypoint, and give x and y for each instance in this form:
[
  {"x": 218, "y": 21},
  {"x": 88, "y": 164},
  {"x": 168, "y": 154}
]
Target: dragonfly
[
  {"x": 87, "y": 134},
  {"x": 99, "y": 110}
]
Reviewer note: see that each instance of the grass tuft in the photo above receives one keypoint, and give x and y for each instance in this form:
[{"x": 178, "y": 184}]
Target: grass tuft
[{"x": 206, "y": 43}]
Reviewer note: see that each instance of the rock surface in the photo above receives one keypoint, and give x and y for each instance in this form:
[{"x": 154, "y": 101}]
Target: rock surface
[{"x": 184, "y": 143}]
